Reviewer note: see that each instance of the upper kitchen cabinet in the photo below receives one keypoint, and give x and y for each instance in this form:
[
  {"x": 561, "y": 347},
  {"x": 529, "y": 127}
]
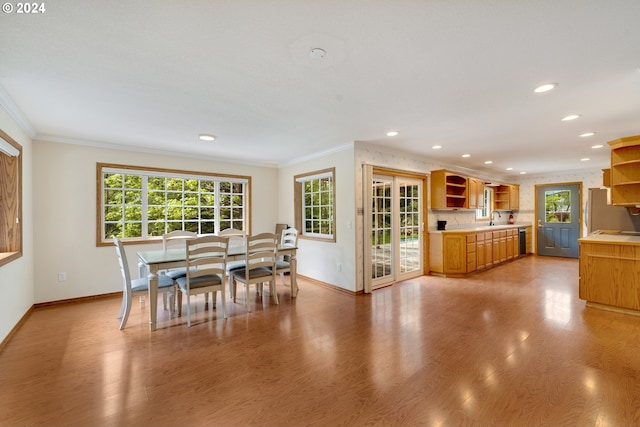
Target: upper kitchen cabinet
[
  {"x": 625, "y": 171},
  {"x": 507, "y": 197},
  {"x": 448, "y": 190},
  {"x": 476, "y": 193}
]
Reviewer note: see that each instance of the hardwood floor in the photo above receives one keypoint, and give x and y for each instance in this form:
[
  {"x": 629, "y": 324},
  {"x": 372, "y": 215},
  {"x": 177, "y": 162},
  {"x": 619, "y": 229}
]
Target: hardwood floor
[{"x": 512, "y": 346}]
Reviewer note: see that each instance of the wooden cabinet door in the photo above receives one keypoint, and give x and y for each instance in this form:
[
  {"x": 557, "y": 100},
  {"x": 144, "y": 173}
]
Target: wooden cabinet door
[
  {"x": 510, "y": 252},
  {"x": 480, "y": 255},
  {"x": 514, "y": 197}
]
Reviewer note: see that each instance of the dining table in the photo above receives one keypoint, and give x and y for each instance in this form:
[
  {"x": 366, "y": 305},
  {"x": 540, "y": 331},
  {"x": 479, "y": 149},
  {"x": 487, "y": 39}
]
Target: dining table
[{"x": 160, "y": 259}]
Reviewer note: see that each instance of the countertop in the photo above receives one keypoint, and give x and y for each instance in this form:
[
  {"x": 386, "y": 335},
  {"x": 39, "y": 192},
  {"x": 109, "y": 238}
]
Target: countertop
[
  {"x": 470, "y": 228},
  {"x": 611, "y": 238}
]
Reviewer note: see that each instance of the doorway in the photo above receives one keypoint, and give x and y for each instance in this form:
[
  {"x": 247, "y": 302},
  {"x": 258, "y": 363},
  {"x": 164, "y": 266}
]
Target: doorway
[
  {"x": 394, "y": 233},
  {"x": 558, "y": 208}
]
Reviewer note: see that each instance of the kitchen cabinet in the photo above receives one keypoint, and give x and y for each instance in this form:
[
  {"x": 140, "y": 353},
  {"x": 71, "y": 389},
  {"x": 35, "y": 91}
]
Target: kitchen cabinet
[
  {"x": 609, "y": 267},
  {"x": 448, "y": 190},
  {"x": 456, "y": 253},
  {"x": 606, "y": 178},
  {"x": 476, "y": 193},
  {"x": 507, "y": 197},
  {"x": 625, "y": 171},
  {"x": 481, "y": 259}
]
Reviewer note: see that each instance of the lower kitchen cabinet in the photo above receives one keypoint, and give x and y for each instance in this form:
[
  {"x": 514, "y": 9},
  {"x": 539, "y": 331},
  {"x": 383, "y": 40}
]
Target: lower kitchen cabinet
[
  {"x": 456, "y": 253},
  {"x": 609, "y": 272}
]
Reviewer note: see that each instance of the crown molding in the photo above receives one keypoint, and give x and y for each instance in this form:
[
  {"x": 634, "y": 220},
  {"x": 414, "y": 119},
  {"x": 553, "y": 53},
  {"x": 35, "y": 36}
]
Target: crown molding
[
  {"x": 7, "y": 102},
  {"x": 317, "y": 155},
  {"x": 131, "y": 148}
]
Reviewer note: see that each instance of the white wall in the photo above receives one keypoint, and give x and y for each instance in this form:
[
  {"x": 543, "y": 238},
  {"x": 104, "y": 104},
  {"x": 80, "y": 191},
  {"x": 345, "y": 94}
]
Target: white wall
[
  {"x": 329, "y": 262},
  {"x": 65, "y": 215},
  {"x": 16, "y": 277}
]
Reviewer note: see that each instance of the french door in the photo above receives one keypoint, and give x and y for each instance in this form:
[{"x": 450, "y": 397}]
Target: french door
[{"x": 395, "y": 230}]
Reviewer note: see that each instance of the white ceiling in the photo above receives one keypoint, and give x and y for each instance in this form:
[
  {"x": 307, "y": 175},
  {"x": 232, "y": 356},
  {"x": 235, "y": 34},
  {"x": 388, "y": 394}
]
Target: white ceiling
[{"x": 457, "y": 73}]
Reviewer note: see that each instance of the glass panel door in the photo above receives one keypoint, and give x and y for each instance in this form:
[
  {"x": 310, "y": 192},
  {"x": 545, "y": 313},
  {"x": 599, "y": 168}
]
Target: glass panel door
[
  {"x": 381, "y": 231},
  {"x": 396, "y": 229},
  {"x": 410, "y": 236}
]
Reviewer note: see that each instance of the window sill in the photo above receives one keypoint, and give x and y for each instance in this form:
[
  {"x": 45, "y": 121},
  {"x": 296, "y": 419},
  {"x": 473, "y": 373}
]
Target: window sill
[{"x": 7, "y": 257}]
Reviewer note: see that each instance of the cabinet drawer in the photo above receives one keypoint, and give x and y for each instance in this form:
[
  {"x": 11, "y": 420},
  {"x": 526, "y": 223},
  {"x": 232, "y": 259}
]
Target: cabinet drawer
[
  {"x": 471, "y": 248},
  {"x": 471, "y": 258},
  {"x": 488, "y": 235},
  {"x": 480, "y": 237},
  {"x": 471, "y": 238}
]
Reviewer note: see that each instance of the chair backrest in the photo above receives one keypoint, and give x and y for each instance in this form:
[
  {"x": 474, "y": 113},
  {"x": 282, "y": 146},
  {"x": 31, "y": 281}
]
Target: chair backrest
[
  {"x": 236, "y": 237},
  {"x": 289, "y": 237},
  {"x": 261, "y": 252},
  {"x": 176, "y": 237},
  {"x": 208, "y": 254},
  {"x": 279, "y": 228},
  {"x": 124, "y": 265}
]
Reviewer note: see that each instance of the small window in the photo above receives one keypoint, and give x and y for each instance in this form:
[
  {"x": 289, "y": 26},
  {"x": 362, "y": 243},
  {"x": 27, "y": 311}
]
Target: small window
[
  {"x": 315, "y": 204},
  {"x": 485, "y": 212},
  {"x": 144, "y": 203}
]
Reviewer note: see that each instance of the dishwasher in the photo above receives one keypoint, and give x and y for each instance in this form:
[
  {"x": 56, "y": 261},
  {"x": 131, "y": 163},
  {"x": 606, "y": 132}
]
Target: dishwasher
[{"x": 522, "y": 233}]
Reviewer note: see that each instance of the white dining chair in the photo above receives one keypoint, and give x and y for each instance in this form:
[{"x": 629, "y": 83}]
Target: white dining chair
[
  {"x": 260, "y": 260},
  {"x": 205, "y": 271},
  {"x": 289, "y": 238},
  {"x": 174, "y": 239},
  {"x": 236, "y": 240},
  {"x": 137, "y": 286}
]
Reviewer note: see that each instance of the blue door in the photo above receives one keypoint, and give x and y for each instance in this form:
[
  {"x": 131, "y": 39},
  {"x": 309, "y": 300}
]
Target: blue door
[{"x": 558, "y": 214}]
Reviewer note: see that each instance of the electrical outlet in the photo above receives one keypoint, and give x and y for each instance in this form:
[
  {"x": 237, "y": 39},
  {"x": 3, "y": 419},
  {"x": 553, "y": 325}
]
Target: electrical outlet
[{"x": 62, "y": 277}]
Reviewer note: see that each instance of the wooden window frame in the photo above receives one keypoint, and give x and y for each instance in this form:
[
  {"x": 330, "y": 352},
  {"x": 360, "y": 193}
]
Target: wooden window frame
[
  {"x": 10, "y": 202},
  {"x": 145, "y": 170},
  {"x": 298, "y": 191}
]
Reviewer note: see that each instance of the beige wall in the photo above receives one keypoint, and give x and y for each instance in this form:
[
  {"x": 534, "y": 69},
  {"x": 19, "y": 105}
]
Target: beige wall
[
  {"x": 16, "y": 277},
  {"x": 65, "y": 215},
  {"x": 329, "y": 262}
]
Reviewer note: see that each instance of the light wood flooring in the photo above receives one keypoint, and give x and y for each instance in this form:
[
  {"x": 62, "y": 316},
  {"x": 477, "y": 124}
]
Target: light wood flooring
[{"x": 512, "y": 346}]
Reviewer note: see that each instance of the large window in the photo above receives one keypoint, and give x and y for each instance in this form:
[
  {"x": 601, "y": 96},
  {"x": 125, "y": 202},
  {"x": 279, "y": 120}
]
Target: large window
[
  {"x": 315, "y": 204},
  {"x": 10, "y": 199},
  {"x": 144, "y": 203}
]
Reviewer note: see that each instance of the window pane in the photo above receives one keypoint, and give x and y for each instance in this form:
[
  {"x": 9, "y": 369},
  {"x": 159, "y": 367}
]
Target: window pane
[
  {"x": 557, "y": 206},
  {"x": 143, "y": 205}
]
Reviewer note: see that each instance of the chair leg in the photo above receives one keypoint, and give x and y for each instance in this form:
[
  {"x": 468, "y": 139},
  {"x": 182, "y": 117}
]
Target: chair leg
[
  {"x": 214, "y": 297},
  {"x": 164, "y": 301},
  {"x": 274, "y": 294},
  {"x": 282, "y": 277},
  {"x": 224, "y": 302},
  {"x": 179, "y": 303},
  {"x": 246, "y": 287},
  {"x": 127, "y": 309},
  {"x": 232, "y": 287},
  {"x": 188, "y": 311}
]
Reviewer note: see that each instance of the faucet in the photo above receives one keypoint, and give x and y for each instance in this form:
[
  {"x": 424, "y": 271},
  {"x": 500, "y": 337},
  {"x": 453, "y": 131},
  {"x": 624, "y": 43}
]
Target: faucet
[{"x": 491, "y": 217}]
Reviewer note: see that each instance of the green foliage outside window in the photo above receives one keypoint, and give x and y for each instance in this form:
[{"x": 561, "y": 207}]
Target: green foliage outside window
[{"x": 136, "y": 205}]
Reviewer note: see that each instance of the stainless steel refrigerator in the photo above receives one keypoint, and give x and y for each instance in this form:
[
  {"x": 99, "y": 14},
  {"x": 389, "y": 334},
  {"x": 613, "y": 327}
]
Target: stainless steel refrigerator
[{"x": 603, "y": 216}]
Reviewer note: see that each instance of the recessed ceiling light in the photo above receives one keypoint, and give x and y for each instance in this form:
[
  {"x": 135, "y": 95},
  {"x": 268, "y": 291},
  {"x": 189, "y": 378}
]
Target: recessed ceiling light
[
  {"x": 207, "y": 137},
  {"x": 488, "y": 162},
  {"x": 545, "y": 87},
  {"x": 585, "y": 159},
  {"x": 437, "y": 147},
  {"x": 523, "y": 173},
  {"x": 392, "y": 133},
  {"x": 509, "y": 169},
  {"x": 570, "y": 117},
  {"x": 466, "y": 155},
  {"x": 597, "y": 146},
  {"x": 586, "y": 134},
  {"x": 317, "y": 53}
]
